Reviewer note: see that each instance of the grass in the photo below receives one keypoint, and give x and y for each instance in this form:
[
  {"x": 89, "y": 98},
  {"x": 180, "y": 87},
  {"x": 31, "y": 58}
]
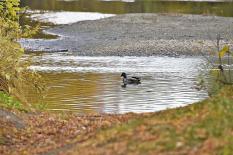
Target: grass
[
  {"x": 9, "y": 102},
  {"x": 202, "y": 128}
]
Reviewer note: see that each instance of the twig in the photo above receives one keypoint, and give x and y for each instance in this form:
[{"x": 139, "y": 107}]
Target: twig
[{"x": 229, "y": 70}]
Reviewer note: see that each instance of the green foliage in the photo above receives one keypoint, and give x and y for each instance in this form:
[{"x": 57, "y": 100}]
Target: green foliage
[
  {"x": 9, "y": 9},
  {"x": 15, "y": 79},
  {"x": 9, "y": 21},
  {"x": 11, "y": 103}
]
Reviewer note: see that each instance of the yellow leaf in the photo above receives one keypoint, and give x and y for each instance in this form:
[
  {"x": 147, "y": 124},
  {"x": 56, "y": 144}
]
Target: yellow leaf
[
  {"x": 223, "y": 51},
  {"x": 7, "y": 76}
]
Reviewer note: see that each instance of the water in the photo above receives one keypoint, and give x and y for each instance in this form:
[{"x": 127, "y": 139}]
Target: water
[
  {"x": 94, "y": 85},
  {"x": 68, "y": 17},
  {"x": 206, "y": 7}
]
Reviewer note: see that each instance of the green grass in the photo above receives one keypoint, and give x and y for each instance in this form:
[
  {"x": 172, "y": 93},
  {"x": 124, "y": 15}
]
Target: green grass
[{"x": 9, "y": 102}]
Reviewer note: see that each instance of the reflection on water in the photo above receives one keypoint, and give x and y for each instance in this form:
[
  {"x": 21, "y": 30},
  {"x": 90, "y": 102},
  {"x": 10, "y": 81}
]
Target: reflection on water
[
  {"x": 129, "y": 1},
  {"x": 68, "y": 17},
  {"x": 215, "y": 7},
  {"x": 93, "y": 84}
]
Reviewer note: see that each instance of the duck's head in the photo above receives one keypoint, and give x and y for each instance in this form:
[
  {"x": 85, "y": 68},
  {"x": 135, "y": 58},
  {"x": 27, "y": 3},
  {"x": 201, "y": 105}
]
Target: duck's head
[{"x": 123, "y": 75}]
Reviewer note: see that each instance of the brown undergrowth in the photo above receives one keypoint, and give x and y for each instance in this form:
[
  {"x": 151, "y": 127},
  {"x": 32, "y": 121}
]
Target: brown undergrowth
[
  {"x": 201, "y": 128},
  {"x": 46, "y": 132}
]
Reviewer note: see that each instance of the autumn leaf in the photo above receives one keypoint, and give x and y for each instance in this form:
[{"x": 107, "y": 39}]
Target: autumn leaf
[{"x": 223, "y": 51}]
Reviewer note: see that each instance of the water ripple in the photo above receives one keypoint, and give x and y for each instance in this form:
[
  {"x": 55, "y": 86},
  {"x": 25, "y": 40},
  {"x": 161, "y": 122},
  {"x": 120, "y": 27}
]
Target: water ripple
[{"x": 93, "y": 84}]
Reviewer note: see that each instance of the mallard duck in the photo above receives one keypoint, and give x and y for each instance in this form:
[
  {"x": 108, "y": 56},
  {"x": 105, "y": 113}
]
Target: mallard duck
[{"x": 131, "y": 80}]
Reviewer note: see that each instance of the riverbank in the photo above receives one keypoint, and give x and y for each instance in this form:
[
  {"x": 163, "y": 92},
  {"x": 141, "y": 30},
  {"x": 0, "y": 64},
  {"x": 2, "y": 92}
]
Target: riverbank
[
  {"x": 200, "y": 128},
  {"x": 48, "y": 133},
  {"x": 137, "y": 35}
]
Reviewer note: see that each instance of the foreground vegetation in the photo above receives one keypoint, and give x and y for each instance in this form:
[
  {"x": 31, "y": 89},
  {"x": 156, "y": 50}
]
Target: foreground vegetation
[
  {"x": 15, "y": 79},
  {"x": 201, "y": 128}
]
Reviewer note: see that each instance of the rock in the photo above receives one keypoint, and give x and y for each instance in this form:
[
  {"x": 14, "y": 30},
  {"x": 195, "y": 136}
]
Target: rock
[{"x": 12, "y": 118}]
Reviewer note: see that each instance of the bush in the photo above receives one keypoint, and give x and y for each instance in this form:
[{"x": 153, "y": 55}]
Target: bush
[{"x": 15, "y": 79}]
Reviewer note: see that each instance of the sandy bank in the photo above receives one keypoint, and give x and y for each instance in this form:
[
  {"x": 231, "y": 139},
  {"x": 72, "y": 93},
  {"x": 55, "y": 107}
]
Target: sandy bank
[{"x": 138, "y": 35}]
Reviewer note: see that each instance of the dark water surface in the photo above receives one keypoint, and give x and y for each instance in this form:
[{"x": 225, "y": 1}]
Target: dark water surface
[{"x": 207, "y": 7}]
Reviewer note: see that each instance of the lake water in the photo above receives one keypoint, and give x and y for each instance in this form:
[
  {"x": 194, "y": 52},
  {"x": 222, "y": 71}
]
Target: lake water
[
  {"x": 207, "y": 7},
  {"x": 94, "y": 85}
]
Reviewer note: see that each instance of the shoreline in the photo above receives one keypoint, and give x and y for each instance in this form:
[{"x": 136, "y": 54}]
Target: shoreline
[
  {"x": 137, "y": 35},
  {"x": 196, "y": 128}
]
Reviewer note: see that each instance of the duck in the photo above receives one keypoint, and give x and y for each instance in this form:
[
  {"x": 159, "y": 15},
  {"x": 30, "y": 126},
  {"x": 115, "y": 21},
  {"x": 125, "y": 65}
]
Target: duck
[{"x": 131, "y": 80}]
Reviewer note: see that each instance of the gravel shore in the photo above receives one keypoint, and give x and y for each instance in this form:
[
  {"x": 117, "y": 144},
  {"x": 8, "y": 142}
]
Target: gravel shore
[{"x": 138, "y": 35}]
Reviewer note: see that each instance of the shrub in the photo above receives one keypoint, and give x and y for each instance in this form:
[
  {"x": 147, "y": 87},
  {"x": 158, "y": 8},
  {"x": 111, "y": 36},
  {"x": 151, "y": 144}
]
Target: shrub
[{"x": 15, "y": 79}]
